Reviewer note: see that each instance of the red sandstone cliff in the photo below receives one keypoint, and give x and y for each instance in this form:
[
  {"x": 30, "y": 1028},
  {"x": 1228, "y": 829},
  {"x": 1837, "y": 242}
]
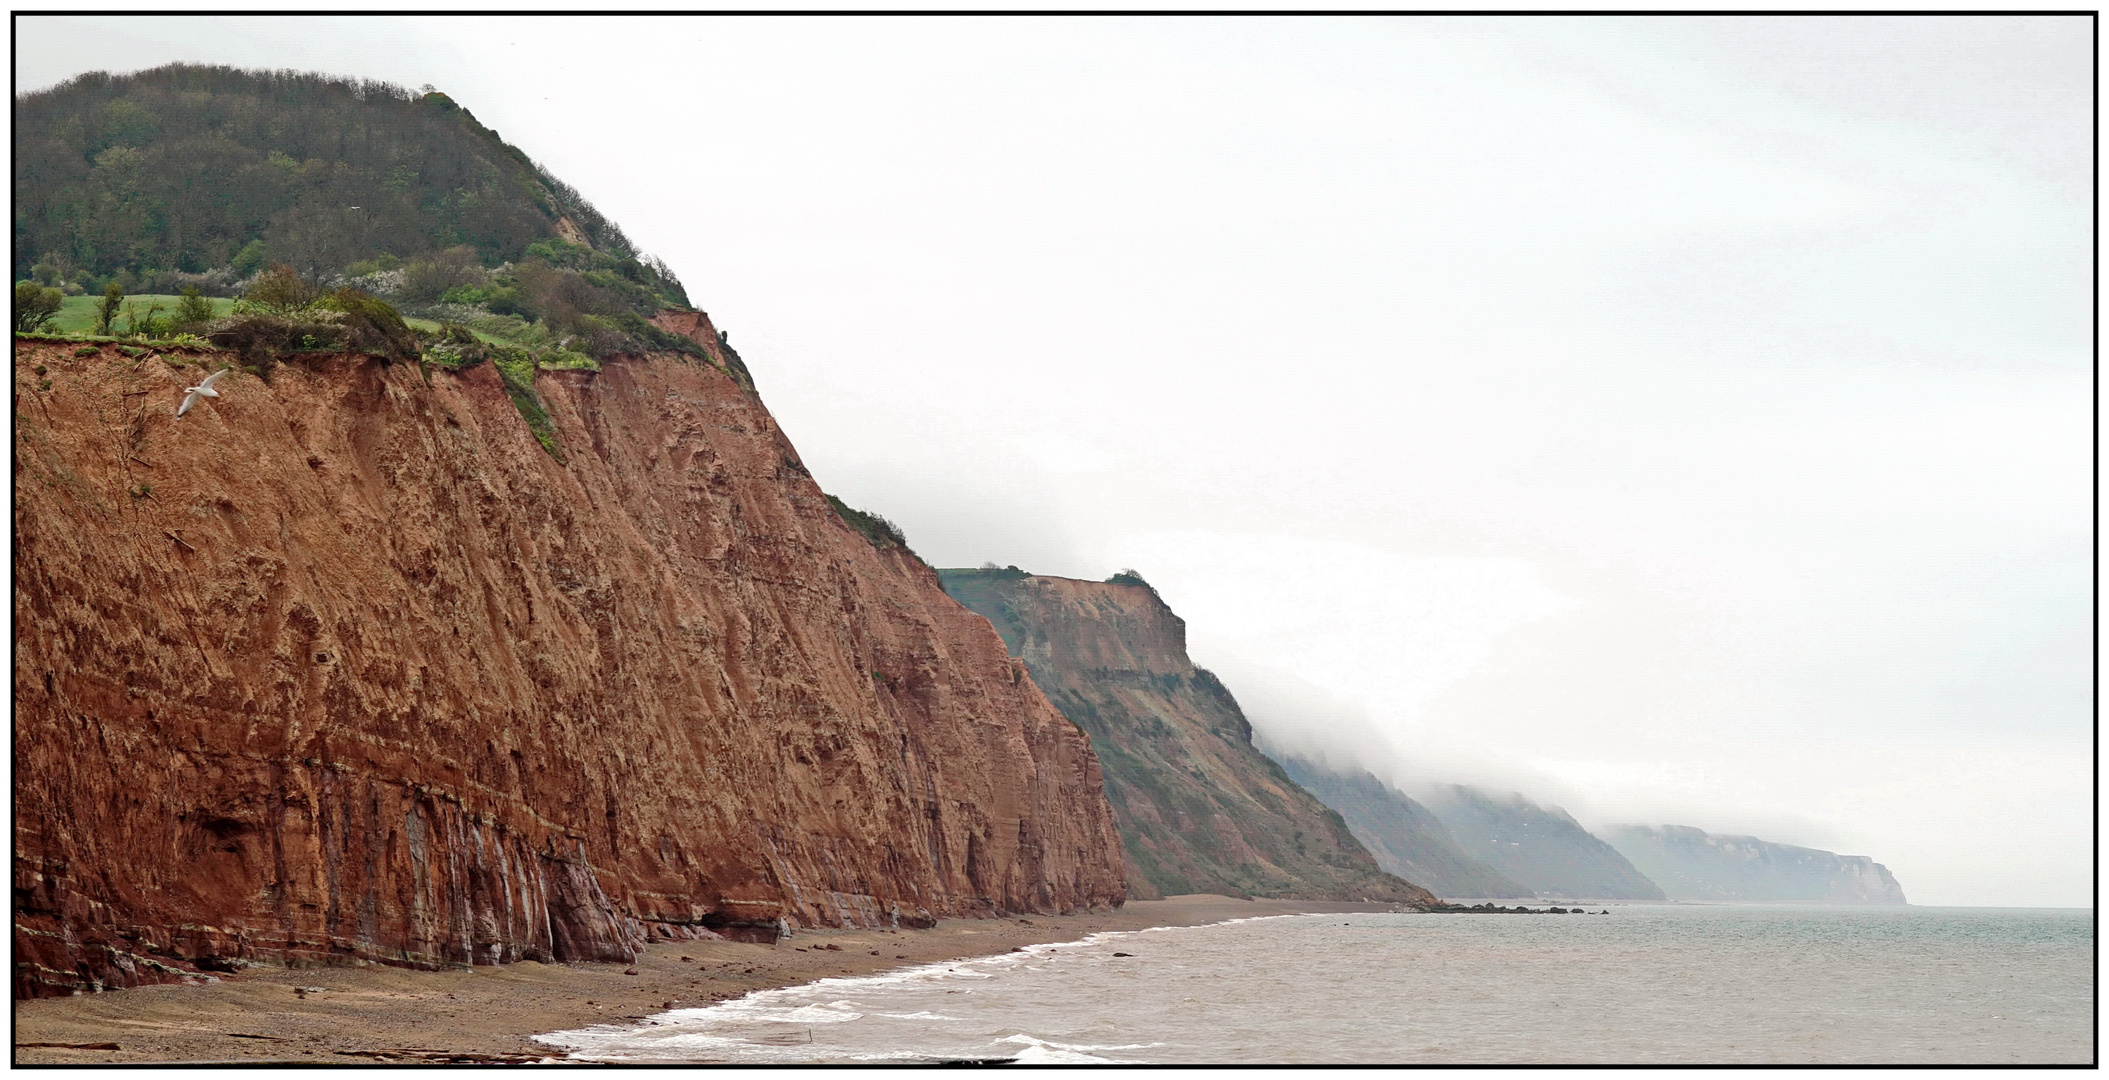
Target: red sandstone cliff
[{"x": 345, "y": 667}]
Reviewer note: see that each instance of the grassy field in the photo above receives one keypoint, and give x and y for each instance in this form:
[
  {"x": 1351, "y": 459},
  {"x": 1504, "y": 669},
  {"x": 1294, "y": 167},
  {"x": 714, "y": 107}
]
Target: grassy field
[
  {"x": 432, "y": 326},
  {"x": 77, "y": 314}
]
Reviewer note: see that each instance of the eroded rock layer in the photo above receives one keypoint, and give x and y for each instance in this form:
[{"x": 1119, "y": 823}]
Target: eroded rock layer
[
  {"x": 344, "y": 666},
  {"x": 1200, "y": 809}
]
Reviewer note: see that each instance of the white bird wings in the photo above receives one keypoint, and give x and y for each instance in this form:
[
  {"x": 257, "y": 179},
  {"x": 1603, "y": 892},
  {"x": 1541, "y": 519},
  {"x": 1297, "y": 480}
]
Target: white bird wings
[{"x": 202, "y": 390}]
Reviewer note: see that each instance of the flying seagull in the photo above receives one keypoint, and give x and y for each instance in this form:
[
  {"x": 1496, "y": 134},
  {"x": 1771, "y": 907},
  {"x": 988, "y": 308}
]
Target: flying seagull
[{"x": 191, "y": 394}]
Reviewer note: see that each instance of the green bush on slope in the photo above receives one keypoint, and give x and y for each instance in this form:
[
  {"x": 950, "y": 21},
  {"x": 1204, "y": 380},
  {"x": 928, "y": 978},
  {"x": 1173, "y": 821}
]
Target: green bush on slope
[{"x": 880, "y": 532}]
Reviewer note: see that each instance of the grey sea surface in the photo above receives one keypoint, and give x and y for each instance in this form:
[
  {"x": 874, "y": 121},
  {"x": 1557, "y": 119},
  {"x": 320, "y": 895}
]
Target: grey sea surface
[{"x": 1647, "y": 984}]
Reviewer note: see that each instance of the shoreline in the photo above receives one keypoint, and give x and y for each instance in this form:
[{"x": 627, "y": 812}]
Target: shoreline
[{"x": 372, "y": 1014}]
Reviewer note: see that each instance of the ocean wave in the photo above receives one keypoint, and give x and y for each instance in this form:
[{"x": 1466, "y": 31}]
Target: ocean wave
[
  {"x": 1045, "y": 1055},
  {"x": 1042, "y": 1052},
  {"x": 1031, "y": 1041},
  {"x": 831, "y": 1013},
  {"x": 742, "y": 1028},
  {"x": 670, "y": 1046},
  {"x": 1226, "y": 994}
]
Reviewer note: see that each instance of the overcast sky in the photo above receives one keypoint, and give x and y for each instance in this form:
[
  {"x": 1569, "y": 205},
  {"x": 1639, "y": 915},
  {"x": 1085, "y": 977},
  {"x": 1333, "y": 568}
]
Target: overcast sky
[{"x": 1681, "y": 420}]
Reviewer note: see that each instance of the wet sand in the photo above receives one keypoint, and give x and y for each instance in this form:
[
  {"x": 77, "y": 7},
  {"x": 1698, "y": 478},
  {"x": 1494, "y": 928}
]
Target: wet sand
[{"x": 340, "y": 1015}]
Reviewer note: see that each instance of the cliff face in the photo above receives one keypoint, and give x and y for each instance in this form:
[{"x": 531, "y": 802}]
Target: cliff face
[
  {"x": 1406, "y": 837},
  {"x": 1691, "y": 864},
  {"x": 346, "y": 667},
  {"x": 1541, "y": 848},
  {"x": 1199, "y": 808}
]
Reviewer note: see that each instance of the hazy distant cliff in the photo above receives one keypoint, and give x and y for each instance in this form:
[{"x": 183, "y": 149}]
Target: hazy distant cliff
[
  {"x": 344, "y": 666},
  {"x": 1199, "y": 809},
  {"x": 1691, "y": 864},
  {"x": 1406, "y": 837},
  {"x": 1542, "y": 848}
]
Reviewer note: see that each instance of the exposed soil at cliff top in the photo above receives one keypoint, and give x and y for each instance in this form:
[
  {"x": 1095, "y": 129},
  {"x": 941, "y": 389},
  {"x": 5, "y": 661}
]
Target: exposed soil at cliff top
[{"x": 387, "y": 1014}]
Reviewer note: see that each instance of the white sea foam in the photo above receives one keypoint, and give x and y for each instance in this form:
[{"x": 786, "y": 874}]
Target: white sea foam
[
  {"x": 1027, "y": 1040},
  {"x": 1039, "y": 1053},
  {"x": 1651, "y": 985}
]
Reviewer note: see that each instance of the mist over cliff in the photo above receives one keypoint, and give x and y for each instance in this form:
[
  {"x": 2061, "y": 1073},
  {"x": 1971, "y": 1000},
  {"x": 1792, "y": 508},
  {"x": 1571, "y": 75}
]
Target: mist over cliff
[
  {"x": 1406, "y": 837},
  {"x": 1692, "y": 864},
  {"x": 1542, "y": 847},
  {"x": 1200, "y": 809}
]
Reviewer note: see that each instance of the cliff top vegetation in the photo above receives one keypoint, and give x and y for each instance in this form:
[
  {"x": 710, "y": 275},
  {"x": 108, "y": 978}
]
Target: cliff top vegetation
[
  {"x": 872, "y": 527},
  {"x": 202, "y": 178}
]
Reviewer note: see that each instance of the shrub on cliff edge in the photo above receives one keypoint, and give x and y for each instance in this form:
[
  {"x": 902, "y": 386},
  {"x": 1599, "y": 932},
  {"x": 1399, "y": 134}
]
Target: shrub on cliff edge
[
  {"x": 370, "y": 325},
  {"x": 880, "y": 532},
  {"x": 282, "y": 313},
  {"x": 455, "y": 346},
  {"x": 1130, "y": 577}
]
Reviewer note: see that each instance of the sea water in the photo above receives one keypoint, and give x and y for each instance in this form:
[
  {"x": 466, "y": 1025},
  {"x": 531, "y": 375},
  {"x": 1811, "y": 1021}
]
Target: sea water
[{"x": 1646, "y": 984}]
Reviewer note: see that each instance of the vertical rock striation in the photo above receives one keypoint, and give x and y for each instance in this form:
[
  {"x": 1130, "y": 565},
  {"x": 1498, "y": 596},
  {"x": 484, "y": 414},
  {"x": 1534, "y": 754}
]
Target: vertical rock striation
[
  {"x": 1199, "y": 808},
  {"x": 345, "y": 667}
]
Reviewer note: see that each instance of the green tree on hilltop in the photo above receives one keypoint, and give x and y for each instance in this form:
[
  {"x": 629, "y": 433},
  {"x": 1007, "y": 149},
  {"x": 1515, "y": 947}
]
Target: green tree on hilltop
[{"x": 187, "y": 169}]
